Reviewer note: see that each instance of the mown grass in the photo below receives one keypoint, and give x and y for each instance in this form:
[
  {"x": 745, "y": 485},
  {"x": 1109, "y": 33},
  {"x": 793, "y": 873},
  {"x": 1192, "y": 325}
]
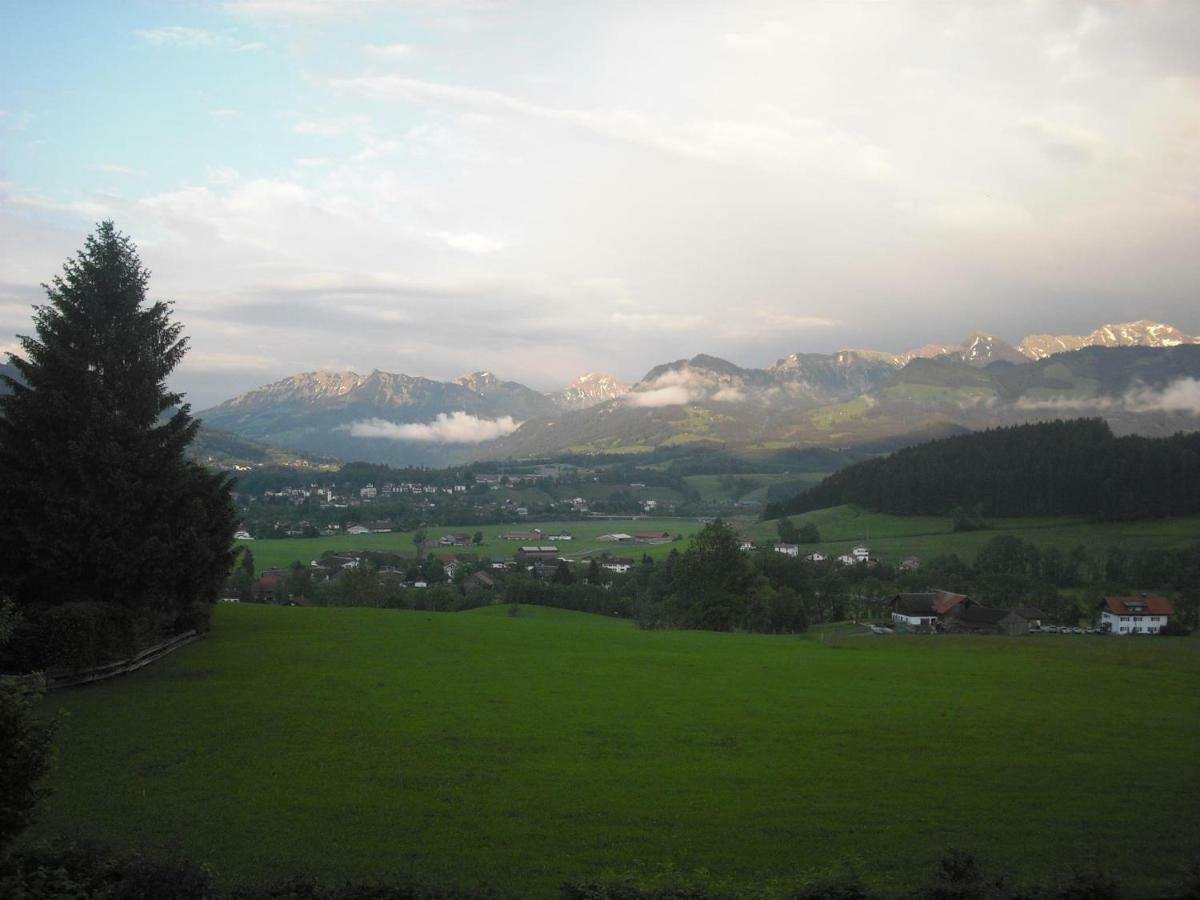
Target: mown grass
[
  {"x": 482, "y": 748},
  {"x": 282, "y": 552},
  {"x": 892, "y": 538}
]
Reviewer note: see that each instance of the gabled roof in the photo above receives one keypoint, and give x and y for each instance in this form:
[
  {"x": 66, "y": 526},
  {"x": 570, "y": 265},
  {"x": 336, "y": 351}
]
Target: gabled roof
[
  {"x": 1030, "y": 613},
  {"x": 936, "y": 603},
  {"x": 1141, "y": 605}
]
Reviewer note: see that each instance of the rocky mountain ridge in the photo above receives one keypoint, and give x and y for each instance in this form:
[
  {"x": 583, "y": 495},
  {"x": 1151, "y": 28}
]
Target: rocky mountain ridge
[{"x": 833, "y": 399}]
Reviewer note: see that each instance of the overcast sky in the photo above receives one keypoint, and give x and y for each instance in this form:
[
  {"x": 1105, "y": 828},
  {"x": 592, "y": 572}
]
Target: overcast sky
[{"x": 542, "y": 189}]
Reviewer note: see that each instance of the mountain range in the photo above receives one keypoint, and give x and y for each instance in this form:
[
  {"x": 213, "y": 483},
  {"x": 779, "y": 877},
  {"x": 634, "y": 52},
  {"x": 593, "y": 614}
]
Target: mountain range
[
  {"x": 804, "y": 399},
  {"x": 1143, "y": 377}
]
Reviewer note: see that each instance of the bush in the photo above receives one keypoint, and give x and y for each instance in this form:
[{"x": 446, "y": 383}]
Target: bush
[
  {"x": 196, "y": 615},
  {"x": 83, "y": 635}
]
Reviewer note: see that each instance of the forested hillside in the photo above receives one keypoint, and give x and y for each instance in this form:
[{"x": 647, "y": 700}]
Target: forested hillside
[{"x": 1075, "y": 467}]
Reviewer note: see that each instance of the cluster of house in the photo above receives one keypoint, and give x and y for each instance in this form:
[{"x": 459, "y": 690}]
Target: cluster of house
[
  {"x": 856, "y": 556},
  {"x": 950, "y": 612},
  {"x": 388, "y": 489}
]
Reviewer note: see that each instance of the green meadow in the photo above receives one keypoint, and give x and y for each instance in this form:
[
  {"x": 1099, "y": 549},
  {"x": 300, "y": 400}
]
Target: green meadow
[
  {"x": 894, "y": 537},
  {"x": 282, "y": 552},
  {"x": 516, "y": 751}
]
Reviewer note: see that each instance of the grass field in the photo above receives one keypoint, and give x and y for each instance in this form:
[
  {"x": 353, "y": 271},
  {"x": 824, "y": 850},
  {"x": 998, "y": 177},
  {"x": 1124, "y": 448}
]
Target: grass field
[
  {"x": 517, "y": 751},
  {"x": 710, "y": 488},
  {"x": 894, "y": 537},
  {"x": 284, "y": 551}
]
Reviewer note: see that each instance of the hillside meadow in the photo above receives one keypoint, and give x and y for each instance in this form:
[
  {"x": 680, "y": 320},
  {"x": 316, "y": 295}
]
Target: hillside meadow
[
  {"x": 892, "y": 538},
  {"x": 282, "y": 552},
  {"x": 516, "y": 751}
]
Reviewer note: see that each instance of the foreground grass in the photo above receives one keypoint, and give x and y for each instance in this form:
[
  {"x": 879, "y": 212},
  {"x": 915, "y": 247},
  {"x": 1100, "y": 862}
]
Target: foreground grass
[
  {"x": 483, "y": 748},
  {"x": 894, "y": 537}
]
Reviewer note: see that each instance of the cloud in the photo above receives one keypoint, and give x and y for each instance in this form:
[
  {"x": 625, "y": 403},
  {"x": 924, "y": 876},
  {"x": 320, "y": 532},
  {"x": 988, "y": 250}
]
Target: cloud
[
  {"x": 471, "y": 242},
  {"x": 388, "y": 52},
  {"x": 213, "y": 361},
  {"x": 454, "y": 428},
  {"x": 1062, "y": 142},
  {"x": 1181, "y": 395},
  {"x": 729, "y": 395},
  {"x": 183, "y": 36},
  {"x": 113, "y": 169},
  {"x": 676, "y": 395}
]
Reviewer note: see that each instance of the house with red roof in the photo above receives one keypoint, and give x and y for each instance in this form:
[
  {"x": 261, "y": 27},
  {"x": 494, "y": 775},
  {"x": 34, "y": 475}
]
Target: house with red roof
[
  {"x": 924, "y": 610},
  {"x": 1135, "y": 615}
]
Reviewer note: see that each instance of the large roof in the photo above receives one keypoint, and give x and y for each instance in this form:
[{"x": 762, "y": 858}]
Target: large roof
[
  {"x": 935, "y": 603},
  {"x": 1141, "y": 605}
]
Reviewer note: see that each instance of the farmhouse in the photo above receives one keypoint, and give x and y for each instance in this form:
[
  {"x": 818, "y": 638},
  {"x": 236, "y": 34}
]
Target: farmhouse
[
  {"x": 479, "y": 581},
  {"x": 537, "y": 553},
  {"x": 792, "y": 550},
  {"x": 454, "y": 540},
  {"x": 816, "y": 557},
  {"x": 924, "y": 610},
  {"x": 972, "y": 617},
  {"x": 745, "y": 543},
  {"x": 563, "y": 535},
  {"x": 1135, "y": 615},
  {"x": 618, "y": 564},
  {"x": 651, "y": 536},
  {"x": 358, "y": 529},
  {"x": 535, "y": 534},
  {"x": 861, "y": 553},
  {"x": 618, "y": 537}
]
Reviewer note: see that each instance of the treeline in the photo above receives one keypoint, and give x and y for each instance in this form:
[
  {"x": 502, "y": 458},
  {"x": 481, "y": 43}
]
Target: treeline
[{"x": 1054, "y": 468}]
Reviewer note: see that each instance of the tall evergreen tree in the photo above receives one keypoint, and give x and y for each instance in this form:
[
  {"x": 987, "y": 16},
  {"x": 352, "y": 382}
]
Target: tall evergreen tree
[{"x": 101, "y": 503}]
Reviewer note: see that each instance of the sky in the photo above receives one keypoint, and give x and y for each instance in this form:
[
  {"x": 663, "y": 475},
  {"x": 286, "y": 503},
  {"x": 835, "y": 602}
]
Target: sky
[{"x": 545, "y": 189}]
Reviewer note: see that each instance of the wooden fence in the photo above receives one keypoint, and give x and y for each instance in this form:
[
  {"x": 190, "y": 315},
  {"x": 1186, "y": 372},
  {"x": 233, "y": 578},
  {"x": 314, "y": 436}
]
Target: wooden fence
[{"x": 62, "y": 678}]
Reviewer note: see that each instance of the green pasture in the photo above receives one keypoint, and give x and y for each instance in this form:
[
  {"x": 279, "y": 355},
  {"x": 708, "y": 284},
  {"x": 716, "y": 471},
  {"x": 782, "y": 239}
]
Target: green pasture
[
  {"x": 894, "y": 537},
  {"x": 282, "y": 552},
  {"x": 711, "y": 490},
  {"x": 482, "y": 748}
]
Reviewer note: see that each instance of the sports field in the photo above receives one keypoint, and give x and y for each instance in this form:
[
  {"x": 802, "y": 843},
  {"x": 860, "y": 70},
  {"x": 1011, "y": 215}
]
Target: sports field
[{"x": 482, "y": 748}]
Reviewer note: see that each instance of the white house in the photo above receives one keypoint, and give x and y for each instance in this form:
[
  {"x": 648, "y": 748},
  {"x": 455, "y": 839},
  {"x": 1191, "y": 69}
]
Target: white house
[
  {"x": 368, "y": 492},
  {"x": 847, "y": 559},
  {"x": 816, "y": 557},
  {"x": 617, "y": 564},
  {"x": 1135, "y": 615},
  {"x": 792, "y": 550},
  {"x": 561, "y": 536},
  {"x": 861, "y": 553},
  {"x": 358, "y": 529},
  {"x": 745, "y": 543}
]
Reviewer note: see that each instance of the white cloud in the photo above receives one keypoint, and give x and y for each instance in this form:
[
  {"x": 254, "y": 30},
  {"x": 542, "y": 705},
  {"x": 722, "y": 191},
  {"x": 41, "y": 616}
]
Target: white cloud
[
  {"x": 213, "y": 361},
  {"x": 1181, "y": 395},
  {"x": 388, "y": 52},
  {"x": 454, "y": 428},
  {"x": 471, "y": 242},
  {"x": 675, "y": 395},
  {"x": 729, "y": 395},
  {"x": 113, "y": 169},
  {"x": 183, "y": 36}
]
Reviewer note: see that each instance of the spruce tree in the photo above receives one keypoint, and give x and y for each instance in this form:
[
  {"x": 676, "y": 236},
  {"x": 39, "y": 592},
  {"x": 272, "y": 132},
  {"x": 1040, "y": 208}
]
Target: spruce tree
[{"x": 100, "y": 502}]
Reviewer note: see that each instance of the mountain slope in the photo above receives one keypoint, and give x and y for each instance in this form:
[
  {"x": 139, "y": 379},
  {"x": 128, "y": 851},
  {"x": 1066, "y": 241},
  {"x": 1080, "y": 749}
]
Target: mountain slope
[
  {"x": 1142, "y": 333},
  {"x": 589, "y": 389},
  {"x": 1137, "y": 389}
]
